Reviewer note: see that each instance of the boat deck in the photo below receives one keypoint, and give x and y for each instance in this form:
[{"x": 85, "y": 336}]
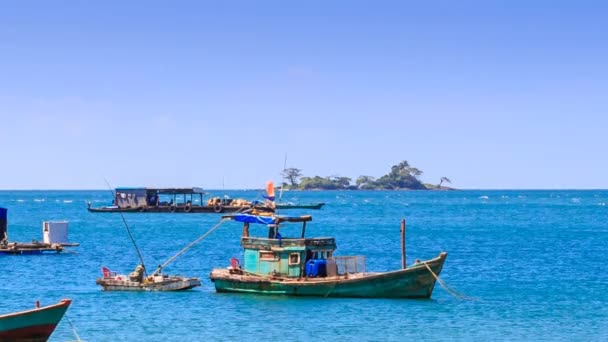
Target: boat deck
[{"x": 30, "y": 248}]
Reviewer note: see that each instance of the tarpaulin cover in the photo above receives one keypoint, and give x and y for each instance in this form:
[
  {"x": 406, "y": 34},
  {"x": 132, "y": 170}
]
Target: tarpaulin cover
[{"x": 254, "y": 219}]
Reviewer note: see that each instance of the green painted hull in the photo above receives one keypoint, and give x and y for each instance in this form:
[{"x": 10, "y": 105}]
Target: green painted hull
[
  {"x": 299, "y": 206},
  {"x": 413, "y": 282},
  {"x": 32, "y": 325}
]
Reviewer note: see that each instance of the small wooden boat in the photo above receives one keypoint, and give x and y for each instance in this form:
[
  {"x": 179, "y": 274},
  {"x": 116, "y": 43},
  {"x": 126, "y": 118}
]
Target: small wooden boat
[
  {"x": 35, "y": 325},
  {"x": 299, "y": 266},
  {"x": 110, "y": 281},
  {"x": 169, "y": 200},
  {"x": 289, "y": 205}
]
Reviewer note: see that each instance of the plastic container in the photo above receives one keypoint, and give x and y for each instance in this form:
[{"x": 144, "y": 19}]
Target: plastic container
[{"x": 316, "y": 268}]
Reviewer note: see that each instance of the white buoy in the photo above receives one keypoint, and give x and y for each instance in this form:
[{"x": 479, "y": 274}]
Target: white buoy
[{"x": 55, "y": 232}]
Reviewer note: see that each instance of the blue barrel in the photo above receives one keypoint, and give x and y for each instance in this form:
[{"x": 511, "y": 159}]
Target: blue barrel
[
  {"x": 322, "y": 267},
  {"x": 316, "y": 268},
  {"x": 312, "y": 268}
]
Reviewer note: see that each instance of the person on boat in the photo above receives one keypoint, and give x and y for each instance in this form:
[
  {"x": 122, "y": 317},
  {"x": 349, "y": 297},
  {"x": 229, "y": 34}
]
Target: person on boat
[{"x": 138, "y": 274}]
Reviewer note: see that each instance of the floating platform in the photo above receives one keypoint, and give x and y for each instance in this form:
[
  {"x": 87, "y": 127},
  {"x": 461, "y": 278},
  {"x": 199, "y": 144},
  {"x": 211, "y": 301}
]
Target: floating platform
[{"x": 30, "y": 248}]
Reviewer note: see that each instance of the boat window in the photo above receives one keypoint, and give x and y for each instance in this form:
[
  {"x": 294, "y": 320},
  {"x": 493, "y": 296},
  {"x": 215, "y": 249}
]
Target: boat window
[
  {"x": 268, "y": 256},
  {"x": 294, "y": 259}
]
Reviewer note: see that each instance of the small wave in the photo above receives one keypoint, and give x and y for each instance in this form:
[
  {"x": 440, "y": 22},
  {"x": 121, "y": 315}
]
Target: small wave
[
  {"x": 576, "y": 200},
  {"x": 483, "y": 197},
  {"x": 602, "y": 204},
  {"x": 67, "y": 201},
  {"x": 39, "y": 200},
  {"x": 20, "y": 200}
]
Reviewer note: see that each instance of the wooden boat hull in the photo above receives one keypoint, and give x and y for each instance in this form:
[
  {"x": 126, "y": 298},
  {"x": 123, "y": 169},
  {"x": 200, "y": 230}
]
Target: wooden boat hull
[
  {"x": 171, "y": 284},
  {"x": 30, "y": 248},
  {"x": 167, "y": 209},
  {"x": 413, "y": 282},
  {"x": 299, "y": 206},
  {"x": 32, "y": 325}
]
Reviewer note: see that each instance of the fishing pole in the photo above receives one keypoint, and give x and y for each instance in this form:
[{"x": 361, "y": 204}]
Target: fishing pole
[{"x": 141, "y": 258}]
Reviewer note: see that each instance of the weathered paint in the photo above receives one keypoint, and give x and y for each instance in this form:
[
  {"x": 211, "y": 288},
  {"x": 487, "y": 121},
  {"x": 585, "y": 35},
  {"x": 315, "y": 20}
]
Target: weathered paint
[
  {"x": 282, "y": 249},
  {"x": 172, "y": 283},
  {"x": 413, "y": 282},
  {"x": 32, "y": 325}
]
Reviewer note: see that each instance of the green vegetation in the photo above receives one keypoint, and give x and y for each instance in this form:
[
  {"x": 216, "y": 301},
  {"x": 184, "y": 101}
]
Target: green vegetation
[{"x": 401, "y": 176}]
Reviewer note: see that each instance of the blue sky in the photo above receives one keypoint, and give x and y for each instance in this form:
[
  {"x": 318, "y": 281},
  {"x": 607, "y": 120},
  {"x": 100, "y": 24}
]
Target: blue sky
[{"x": 492, "y": 94}]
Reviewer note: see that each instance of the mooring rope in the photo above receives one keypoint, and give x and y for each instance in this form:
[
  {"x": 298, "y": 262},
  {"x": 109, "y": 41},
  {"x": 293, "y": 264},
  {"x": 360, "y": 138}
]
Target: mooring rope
[
  {"x": 190, "y": 245},
  {"x": 453, "y": 292},
  {"x": 73, "y": 328}
]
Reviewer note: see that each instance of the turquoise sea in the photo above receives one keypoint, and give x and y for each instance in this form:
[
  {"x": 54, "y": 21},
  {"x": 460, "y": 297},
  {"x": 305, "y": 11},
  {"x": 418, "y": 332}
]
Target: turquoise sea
[{"x": 535, "y": 261}]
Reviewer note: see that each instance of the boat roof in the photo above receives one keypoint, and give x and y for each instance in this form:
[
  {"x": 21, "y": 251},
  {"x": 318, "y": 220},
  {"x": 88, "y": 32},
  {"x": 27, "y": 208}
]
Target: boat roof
[
  {"x": 193, "y": 190},
  {"x": 263, "y": 219}
]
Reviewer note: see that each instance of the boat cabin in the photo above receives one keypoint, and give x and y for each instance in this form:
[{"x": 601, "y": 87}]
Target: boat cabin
[
  {"x": 278, "y": 254},
  {"x": 154, "y": 197}
]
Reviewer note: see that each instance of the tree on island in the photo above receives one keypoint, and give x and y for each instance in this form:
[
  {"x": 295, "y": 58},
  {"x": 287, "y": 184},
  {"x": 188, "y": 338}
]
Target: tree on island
[
  {"x": 292, "y": 174},
  {"x": 365, "y": 182},
  {"x": 443, "y": 179},
  {"x": 327, "y": 183},
  {"x": 402, "y": 176}
]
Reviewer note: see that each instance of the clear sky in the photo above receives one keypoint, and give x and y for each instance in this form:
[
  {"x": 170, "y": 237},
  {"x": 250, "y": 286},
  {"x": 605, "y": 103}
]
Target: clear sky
[{"x": 492, "y": 94}]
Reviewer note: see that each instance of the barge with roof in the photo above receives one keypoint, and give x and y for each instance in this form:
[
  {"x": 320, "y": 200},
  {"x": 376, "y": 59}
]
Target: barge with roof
[{"x": 170, "y": 200}]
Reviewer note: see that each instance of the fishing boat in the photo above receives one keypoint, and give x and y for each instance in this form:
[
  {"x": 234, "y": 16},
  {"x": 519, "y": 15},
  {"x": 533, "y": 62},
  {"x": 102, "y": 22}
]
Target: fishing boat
[
  {"x": 136, "y": 281},
  {"x": 169, "y": 200},
  {"x": 290, "y": 205},
  {"x": 301, "y": 266},
  {"x": 139, "y": 280},
  {"x": 34, "y": 325}
]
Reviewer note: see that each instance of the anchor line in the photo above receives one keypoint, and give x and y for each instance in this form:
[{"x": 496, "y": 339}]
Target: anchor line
[
  {"x": 73, "y": 329},
  {"x": 190, "y": 245},
  {"x": 452, "y": 292},
  {"x": 141, "y": 258}
]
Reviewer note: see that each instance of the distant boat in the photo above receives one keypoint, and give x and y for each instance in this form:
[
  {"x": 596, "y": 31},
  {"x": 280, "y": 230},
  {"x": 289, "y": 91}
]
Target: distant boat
[
  {"x": 34, "y": 325},
  {"x": 111, "y": 281},
  {"x": 299, "y": 266},
  {"x": 290, "y": 205},
  {"x": 170, "y": 200}
]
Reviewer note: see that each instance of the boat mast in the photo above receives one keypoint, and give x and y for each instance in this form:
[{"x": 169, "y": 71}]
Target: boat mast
[{"x": 141, "y": 258}]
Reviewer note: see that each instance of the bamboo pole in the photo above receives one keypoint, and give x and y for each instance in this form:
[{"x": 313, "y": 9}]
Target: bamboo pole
[{"x": 403, "y": 244}]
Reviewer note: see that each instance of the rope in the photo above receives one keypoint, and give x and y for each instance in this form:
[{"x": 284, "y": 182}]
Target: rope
[
  {"x": 141, "y": 258},
  {"x": 453, "y": 292},
  {"x": 73, "y": 329},
  {"x": 190, "y": 245}
]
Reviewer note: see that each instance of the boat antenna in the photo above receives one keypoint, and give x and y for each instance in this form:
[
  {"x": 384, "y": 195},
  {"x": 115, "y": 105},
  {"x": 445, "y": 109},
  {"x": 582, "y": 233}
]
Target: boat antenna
[
  {"x": 141, "y": 258},
  {"x": 282, "y": 182}
]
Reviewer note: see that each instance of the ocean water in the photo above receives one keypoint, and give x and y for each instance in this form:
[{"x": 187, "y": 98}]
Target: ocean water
[{"x": 535, "y": 262}]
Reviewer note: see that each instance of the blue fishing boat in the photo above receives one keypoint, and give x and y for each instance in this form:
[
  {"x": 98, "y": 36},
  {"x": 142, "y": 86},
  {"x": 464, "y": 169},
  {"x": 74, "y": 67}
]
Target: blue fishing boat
[{"x": 299, "y": 266}]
